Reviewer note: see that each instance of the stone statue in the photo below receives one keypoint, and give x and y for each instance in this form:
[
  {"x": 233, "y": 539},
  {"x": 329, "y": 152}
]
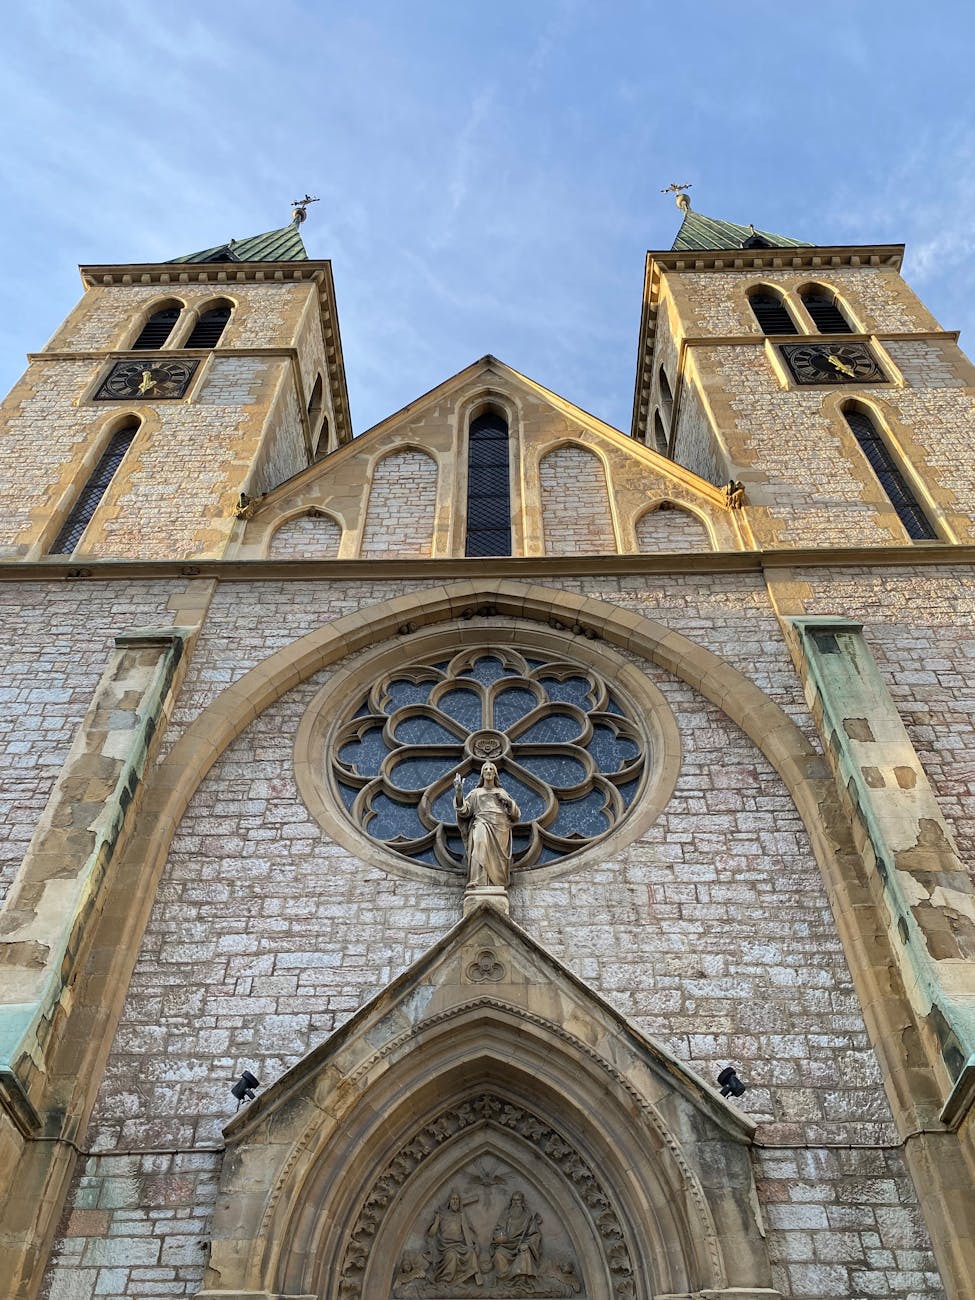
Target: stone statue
[
  {"x": 734, "y": 494},
  {"x": 516, "y": 1243},
  {"x": 486, "y": 817},
  {"x": 456, "y": 1258}
]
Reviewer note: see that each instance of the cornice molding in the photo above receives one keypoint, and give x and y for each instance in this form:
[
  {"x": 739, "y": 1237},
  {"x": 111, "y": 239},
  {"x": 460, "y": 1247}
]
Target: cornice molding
[{"x": 544, "y": 566}]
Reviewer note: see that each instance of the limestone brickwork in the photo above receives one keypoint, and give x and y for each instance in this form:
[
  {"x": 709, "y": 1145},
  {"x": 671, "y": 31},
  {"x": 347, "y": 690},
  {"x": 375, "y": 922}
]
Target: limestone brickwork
[
  {"x": 668, "y": 529},
  {"x": 64, "y": 635},
  {"x": 402, "y": 501},
  {"x": 188, "y": 897},
  {"x": 310, "y": 536},
  {"x": 576, "y": 518}
]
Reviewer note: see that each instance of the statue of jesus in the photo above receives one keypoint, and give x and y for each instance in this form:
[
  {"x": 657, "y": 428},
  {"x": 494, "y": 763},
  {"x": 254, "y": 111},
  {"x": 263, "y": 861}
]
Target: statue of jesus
[{"x": 486, "y": 817}]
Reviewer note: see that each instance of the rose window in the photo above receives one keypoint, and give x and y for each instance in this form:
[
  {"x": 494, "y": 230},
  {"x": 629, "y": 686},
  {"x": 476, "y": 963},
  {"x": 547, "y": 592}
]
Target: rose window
[{"x": 563, "y": 743}]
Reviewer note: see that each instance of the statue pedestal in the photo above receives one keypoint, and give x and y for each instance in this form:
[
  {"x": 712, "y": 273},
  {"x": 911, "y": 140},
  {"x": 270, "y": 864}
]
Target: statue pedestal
[{"x": 493, "y": 895}]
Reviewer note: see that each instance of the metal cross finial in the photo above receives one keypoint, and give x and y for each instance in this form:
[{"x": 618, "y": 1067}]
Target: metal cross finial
[
  {"x": 300, "y": 209},
  {"x": 680, "y": 198}
]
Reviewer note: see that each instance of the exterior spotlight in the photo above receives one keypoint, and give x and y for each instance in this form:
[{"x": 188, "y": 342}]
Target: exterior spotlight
[
  {"x": 243, "y": 1089},
  {"x": 731, "y": 1085}
]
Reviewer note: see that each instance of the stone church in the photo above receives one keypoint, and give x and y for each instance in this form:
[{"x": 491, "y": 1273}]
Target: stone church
[{"x": 699, "y": 1021}]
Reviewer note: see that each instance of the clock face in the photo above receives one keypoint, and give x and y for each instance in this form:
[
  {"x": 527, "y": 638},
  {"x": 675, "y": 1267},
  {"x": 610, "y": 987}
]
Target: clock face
[
  {"x": 146, "y": 381},
  {"x": 832, "y": 363}
]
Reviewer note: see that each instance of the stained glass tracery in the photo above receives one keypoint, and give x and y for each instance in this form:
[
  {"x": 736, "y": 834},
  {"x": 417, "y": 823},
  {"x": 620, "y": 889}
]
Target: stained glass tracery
[{"x": 565, "y": 746}]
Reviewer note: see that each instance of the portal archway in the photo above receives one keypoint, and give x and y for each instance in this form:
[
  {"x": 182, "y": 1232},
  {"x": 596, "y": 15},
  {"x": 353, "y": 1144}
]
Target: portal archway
[{"x": 385, "y": 1163}]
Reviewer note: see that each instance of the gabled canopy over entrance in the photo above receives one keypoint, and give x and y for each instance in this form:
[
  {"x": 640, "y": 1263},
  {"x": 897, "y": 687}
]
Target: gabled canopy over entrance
[{"x": 487, "y": 1126}]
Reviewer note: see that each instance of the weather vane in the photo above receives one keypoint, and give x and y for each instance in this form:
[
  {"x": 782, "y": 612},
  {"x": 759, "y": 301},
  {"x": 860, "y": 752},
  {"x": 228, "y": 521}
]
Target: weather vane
[
  {"x": 300, "y": 209},
  {"x": 680, "y": 198}
]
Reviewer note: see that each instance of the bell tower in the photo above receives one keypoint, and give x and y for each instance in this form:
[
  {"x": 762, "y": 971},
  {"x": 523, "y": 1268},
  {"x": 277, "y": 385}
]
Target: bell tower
[
  {"x": 171, "y": 396},
  {"x": 812, "y": 375}
]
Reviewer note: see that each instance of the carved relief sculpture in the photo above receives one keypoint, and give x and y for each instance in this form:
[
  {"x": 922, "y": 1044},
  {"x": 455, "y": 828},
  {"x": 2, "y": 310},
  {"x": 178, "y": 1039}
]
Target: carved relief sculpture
[
  {"x": 486, "y": 817},
  {"x": 516, "y": 1245},
  {"x": 456, "y": 1257},
  {"x": 455, "y": 1263}
]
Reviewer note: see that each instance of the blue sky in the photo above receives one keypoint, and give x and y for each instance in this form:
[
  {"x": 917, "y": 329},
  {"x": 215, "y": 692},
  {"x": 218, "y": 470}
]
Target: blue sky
[{"x": 489, "y": 173}]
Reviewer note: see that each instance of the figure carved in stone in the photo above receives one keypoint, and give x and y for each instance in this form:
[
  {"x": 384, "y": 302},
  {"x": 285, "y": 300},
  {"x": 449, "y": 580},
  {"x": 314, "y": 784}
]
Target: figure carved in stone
[
  {"x": 735, "y": 494},
  {"x": 456, "y": 1258},
  {"x": 486, "y": 817},
  {"x": 516, "y": 1244}
]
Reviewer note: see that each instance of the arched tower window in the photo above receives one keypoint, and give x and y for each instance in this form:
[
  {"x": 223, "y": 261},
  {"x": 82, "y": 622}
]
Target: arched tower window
[
  {"x": 158, "y": 327},
  {"x": 317, "y": 422},
  {"x": 659, "y": 434},
  {"x": 488, "y": 488},
  {"x": 666, "y": 394},
  {"x": 908, "y": 508},
  {"x": 93, "y": 491},
  {"x": 822, "y": 306},
  {"x": 209, "y": 327},
  {"x": 771, "y": 312}
]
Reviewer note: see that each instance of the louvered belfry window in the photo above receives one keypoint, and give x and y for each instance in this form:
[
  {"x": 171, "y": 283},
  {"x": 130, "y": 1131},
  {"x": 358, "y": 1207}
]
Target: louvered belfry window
[
  {"x": 488, "y": 489},
  {"x": 827, "y": 317},
  {"x": 772, "y": 314},
  {"x": 208, "y": 329},
  {"x": 908, "y": 508},
  {"x": 93, "y": 491},
  {"x": 157, "y": 328}
]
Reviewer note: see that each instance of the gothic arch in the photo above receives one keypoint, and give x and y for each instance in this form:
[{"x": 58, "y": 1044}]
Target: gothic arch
[{"x": 333, "y": 1172}]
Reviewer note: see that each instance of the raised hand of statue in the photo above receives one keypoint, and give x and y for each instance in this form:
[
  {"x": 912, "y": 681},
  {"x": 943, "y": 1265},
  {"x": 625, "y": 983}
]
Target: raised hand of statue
[{"x": 458, "y": 790}]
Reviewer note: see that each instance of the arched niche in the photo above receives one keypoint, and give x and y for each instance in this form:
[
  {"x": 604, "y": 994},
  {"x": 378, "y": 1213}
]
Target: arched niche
[
  {"x": 576, "y": 514},
  {"x": 310, "y": 535},
  {"x": 484, "y": 1070},
  {"x": 668, "y": 527},
  {"x": 401, "y": 513}
]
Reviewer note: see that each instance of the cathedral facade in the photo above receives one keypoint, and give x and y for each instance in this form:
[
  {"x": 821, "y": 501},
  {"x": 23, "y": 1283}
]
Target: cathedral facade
[{"x": 495, "y": 855}]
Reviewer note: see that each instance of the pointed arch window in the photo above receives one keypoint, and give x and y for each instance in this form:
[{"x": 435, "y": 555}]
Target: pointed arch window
[
  {"x": 158, "y": 328},
  {"x": 660, "y": 439},
  {"x": 822, "y": 306},
  {"x": 91, "y": 494},
  {"x": 892, "y": 480},
  {"x": 488, "y": 487},
  {"x": 771, "y": 312},
  {"x": 666, "y": 395},
  {"x": 209, "y": 327}
]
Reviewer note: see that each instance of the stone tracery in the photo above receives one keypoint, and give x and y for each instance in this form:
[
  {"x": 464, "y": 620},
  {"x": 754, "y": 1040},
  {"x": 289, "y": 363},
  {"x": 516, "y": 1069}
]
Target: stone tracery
[{"x": 562, "y": 740}]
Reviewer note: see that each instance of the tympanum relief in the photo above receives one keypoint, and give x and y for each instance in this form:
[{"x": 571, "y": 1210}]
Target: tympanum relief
[{"x": 487, "y": 1233}]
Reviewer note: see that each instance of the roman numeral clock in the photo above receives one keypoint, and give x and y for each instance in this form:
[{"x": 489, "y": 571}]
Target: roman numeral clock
[{"x": 151, "y": 381}]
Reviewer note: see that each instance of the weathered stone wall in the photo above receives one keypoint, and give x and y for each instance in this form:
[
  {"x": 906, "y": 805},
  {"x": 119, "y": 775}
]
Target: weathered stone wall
[
  {"x": 918, "y": 624},
  {"x": 402, "y": 503},
  {"x": 36, "y": 467},
  {"x": 576, "y": 517},
  {"x": 59, "y": 640},
  {"x": 283, "y": 452},
  {"x": 695, "y": 445},
  {"x": 712, "y": 932}
]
